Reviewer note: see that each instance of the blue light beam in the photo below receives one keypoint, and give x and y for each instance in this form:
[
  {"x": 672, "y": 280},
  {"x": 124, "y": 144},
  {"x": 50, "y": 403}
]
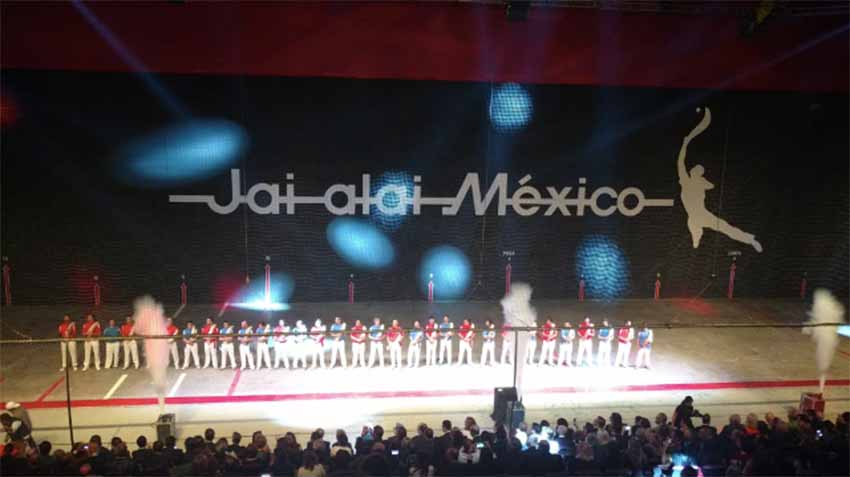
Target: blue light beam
[
  {"x": 511, "y": 107},
  {"x": 360, "y": 243},
  {"x": 604, "y": 266},
  {"x": 452, "y": 272}
]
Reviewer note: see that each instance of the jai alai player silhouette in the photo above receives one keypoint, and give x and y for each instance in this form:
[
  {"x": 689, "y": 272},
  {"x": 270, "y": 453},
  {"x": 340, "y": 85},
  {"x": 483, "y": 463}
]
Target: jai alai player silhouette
[{"x": 694, "y": 186}]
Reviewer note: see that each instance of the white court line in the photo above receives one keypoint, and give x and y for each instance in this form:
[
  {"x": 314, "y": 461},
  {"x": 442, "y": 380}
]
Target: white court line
[
  {"x": 177, "y": 385},
  {"x": 177, "y": 313},
  {"x": 115, "y": 386}
]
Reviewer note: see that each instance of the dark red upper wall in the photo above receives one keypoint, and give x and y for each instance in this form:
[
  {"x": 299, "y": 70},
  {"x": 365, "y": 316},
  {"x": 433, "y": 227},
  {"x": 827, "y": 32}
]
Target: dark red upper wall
[{"x": 435, "y": 41}]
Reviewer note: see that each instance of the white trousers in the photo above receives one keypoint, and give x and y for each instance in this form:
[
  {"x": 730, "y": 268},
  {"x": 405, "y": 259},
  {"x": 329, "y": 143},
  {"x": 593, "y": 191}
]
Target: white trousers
[
  {"x": 585, "y": 347},
  {"x": 488, "y": 349},
  {"x": 175, "y": 356},
  {"x": 603, "y": 356},
  {"x": 92, "y": 347},
  {"x": 507, "y": 352},
  {"x": 112, "y": 354},
  {"x": 465, "y": 349},
  {"x": 430, "y": 353},
  {"x": 623, "y": 350},
  {"x": 565, "y": 353},
  {"x": 414, "y": 354},
  {"x": 532, "y": 350},
  {"x": 68, "y": 348},
  {"x": 643, "y": 354},
  {"x": 210, "y": 356},
  {"x": 246, "y": 358},
  {"x": 318, "y": 353},
  {"x": 300, "y": 355},
  {"x": 358, "y": 354},
  {"x": 395, "y": 354},
  {"x": 446, "y": 351},
  {"x": 227, "y": 352},
  {"x": 131, "y": 353},
  {"x": 338, "y": 349},
  {"x": 280, "y": 355},
  {"x": 376, "y": 349},
  {"x": 263, "y": 355},
  {"x": 547, "y": 353},
  {"x": 191, "y": 350}
]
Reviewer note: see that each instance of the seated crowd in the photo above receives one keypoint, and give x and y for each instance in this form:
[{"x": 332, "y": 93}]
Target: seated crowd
[{"x": 801, "y": 444}]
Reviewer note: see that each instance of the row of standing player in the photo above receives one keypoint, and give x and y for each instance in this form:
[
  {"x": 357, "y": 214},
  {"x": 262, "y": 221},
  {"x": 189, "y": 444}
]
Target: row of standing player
[{"x": 298, "y": 343}]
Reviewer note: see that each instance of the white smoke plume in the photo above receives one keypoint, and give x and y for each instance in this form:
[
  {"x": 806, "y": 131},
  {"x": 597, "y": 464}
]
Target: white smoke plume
[
  {"x": 825, "y": 309},
  {"x": 518, "y": 312},
  {"x": 149, "y": 319}
]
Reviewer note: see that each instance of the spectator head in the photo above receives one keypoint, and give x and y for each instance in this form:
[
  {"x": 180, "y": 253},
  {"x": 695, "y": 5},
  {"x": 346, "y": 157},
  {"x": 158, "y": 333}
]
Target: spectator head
[
  {"x": 599, "y": 422},
  {"x": 45, "y": 446},
  {"x": 170, "y": 442},
  {"x": 734, "y": 420},
  {"x": 400, "y": 431},
  {"x": 447, "y": 425},
  {"x": 341, "y": 437},
  {"x": 421, "y": 429},
  {"x": 706, "y": 419},
  {"x": 320, "y": 433},
  {"x": 341, "y": 460},
  {"x": 752, "y": 420},
  {"x": 158, "y": 446},
  {"x": 429, "y": 433},
  {"x": 115, "y": 442},
  {"x": 451, "y": 454},
  {"x": 661, "y": 419},
  {"x": 209, "y": 435},
  {"x": 96, "y": 438},
  {"x": 379, "y": 433},
  {"x": 378, "y": 448},
  {"x": 688, "y": 400},
  {"x": 474, "y": 431},
  {"x": 120, "y": 450},
  {"x": 561, "y": 430},
  {"x": 260, "y": 442},
  {"x": 543, "y": 447},
  {"x": 236, "y": 438},
  {"x": 142, "y": 442},
  {"x": 562, "y": 422}
]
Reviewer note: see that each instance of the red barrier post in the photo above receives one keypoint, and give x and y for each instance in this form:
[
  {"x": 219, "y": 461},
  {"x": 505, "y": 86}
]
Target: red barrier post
[
  {"x": 351, "y": 288},
  {"x": 431, "y": 288},
  {"x": 657, "y": 286},
  {"x": 581, "y": 289},
  {"x": 803, "y": 284},
  {"x": 7, "y": 281},
  {"x": 730, "y": 293},
  {"x": 96, "y": 291},
  {"x": 508, "y": 270},
  {"x": 184, "y": 290},
  {"x": 268, "y": 291}
]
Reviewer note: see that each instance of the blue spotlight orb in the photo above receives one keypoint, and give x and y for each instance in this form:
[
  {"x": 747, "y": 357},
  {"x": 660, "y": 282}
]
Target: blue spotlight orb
[
  {"x": 451, "y": 270},
  {"x": 510, "y": 107},
  {"x": 360, "y": 243},
  {"x": 252, "y": 296},
  {"x": 182, "y": 153},
  {"x": 393, "y": 191},
  {"x": 604, "y": 266}
]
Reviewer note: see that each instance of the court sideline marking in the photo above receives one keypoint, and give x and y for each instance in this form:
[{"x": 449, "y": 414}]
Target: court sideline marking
[
  {"x": 219, "y": 399},
  {"x": 115, "y": 387},
  {"x": 50, "y": 389},
  {"x": 234, "y": 383},
  {"x": 177, "y": 385}
]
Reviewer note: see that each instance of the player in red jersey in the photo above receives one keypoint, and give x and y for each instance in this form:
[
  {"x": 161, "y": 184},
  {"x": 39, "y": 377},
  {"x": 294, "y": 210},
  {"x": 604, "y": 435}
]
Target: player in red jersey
[
  {"x": 68, "y": 330},
  {"x": 358, "y": 344},
  {"x": 91, "y": 329},
  {"x": 131, "y": 347},
  {"x": 395, "y": 335},
  {"x": 466, "y": 333}
]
